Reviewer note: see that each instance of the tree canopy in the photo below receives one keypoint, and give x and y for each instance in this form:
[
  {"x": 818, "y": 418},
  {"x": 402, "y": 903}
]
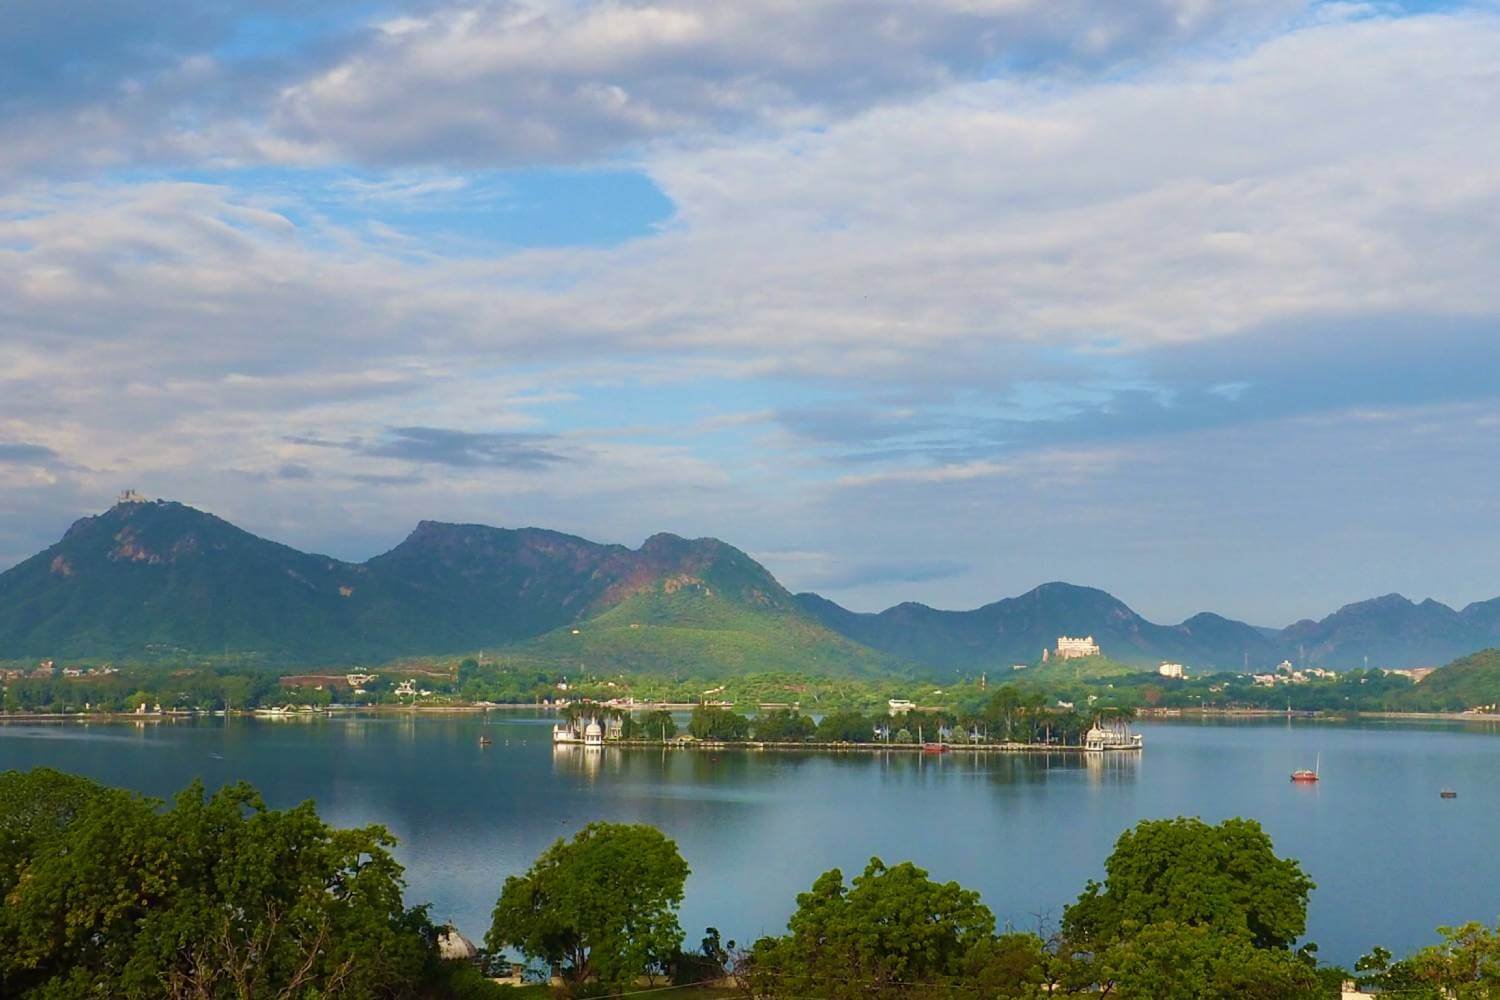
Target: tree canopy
[
  {"x": 1182, "y": 870},
  {"x": 712, "y": 723},
  {"x": 602, "y": 908},
  {"x": 895, "y": 932},
  {"x": 106, "y": 893}
]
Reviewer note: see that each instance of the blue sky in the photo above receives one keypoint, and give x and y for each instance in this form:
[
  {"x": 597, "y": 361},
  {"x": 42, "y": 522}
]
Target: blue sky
[{"x": 1191, "y": 301}]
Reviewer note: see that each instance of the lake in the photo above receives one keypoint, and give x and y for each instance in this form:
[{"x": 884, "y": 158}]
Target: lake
[{"x": 1392, "y": 860}]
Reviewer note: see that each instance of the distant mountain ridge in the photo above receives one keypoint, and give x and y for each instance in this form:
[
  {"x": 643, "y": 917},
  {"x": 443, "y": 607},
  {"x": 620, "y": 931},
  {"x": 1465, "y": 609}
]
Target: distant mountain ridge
[{"x": 161, "y": 577}]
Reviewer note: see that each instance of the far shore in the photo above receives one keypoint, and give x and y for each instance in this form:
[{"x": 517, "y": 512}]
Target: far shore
[{"x": 1145, "y": 715}]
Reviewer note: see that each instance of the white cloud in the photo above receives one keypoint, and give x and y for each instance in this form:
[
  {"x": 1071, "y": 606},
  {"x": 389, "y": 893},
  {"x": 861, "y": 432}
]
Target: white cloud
[
  {"x": 908, "y": 250},
  {"x": 548, "y": 80}
]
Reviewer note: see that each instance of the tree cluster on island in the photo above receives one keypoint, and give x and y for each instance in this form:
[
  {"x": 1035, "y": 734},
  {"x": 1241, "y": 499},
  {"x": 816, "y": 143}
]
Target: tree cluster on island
[{"x": 109, "y": 894}]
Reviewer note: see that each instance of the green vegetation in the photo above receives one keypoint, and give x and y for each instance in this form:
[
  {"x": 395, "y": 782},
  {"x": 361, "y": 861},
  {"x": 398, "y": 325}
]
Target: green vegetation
[
  {"x": 1468, "y": 681},
  {"x": 1465, "y": 965},
  {"x": 1052, "y": 695},
  {"x": 893, "y": 929},
  {"x": 602, "y": 908},
  {"x": 1185, "y": 872},
  {"x": 107, "y": 893},
  {"x": 696, "y": 630},
  {"x": 708, "y": 723}
]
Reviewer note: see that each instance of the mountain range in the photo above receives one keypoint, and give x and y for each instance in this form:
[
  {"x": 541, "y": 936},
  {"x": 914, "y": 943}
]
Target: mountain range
[{"x": 158, "y": 578}]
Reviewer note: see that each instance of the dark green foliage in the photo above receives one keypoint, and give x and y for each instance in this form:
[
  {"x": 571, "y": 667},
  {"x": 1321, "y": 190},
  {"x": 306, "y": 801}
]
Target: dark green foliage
[
  {"x": 1172, "y": 961},
  {"x": 216, "y": 896},
  {"x": 845, "y": 727},
  {"x": 1472, "y": 680},
  {"x": 782, "y": 725},
  {"x": 1184, "y": 871},
  {"x": 705, "y": 965},
  {"x": 893, "y": 933},
  {"x": 602, "y": 907},
  {"x": 711, "y": 723},
  {"x": 1465, "y": 965},
  {"x": 657, "y": 725}
]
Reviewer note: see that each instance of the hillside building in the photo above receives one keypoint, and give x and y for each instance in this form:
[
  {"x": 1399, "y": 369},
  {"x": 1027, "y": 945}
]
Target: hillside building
[
  {"x": 1173, "y": 670},
  {"x": 1071, "y": 648}
]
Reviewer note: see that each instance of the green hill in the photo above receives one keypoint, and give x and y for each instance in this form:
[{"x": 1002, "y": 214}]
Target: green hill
[
  {"x": 160, "y": 581},
  {"x": 1467, "y": 682},
  {"x": 1080, "y": 668},
  {"x": 689, "y": 629}
]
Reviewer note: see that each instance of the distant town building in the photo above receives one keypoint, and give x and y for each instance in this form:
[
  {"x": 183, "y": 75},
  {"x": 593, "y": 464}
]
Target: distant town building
[
  {"x": 130, "y": 496},
  {"x": 1071, "y": 648},
  {"x": 899, "y": 705},
  {"x": 1175, "y": 670}
]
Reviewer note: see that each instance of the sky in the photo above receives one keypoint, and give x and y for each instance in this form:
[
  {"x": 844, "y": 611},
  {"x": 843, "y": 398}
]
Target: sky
[{"x": 1193, "y": 301}]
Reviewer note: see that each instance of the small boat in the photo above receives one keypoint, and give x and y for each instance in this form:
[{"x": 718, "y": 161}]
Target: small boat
[
  {"x": 1447, "y": 793},
  {"x": 1305, "y": 776},
  {"x": 485, "y": 741},
  {"x": 934, "y": 748}
]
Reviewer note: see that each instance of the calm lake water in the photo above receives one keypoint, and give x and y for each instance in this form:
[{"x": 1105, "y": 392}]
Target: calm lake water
[{"x": 1392, "y": 860}]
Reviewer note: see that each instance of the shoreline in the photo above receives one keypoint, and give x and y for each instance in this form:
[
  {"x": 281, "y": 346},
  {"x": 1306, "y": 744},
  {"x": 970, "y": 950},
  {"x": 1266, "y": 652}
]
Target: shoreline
[
  {"x": 1146, "y": 715},
  {"x": 839, "y": 747}
]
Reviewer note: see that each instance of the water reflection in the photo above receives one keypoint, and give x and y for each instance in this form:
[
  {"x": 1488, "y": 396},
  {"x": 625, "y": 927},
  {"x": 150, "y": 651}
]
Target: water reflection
[{"x": 1026, "y": 830}]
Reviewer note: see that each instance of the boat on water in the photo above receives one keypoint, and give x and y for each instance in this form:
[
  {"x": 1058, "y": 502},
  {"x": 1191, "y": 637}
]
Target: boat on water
[
  {"x": 485, "y": 741},
  {"x": 1304, "y": 776},
  {"x": 1112, "y": 735},
  {"x": 1447, "y": 793},
  {"x": 934, "y": 748}
]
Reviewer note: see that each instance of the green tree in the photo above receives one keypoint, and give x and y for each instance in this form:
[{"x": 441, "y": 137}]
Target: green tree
[
  {"x": 783, "y": 725},
  {"x": 1172, "y": 961},
  {"x": 845, "y": 727},
  {"x": 658, "y": 725},
  {"x": 1464, "y": 966},
  {"x": 1182, "y": 870},
  {"x": 602, "y": 908},
  {"x": 714, "y": 723},
  {"x": 217, "y": 896},
  {"x": 894, "y": 933}
]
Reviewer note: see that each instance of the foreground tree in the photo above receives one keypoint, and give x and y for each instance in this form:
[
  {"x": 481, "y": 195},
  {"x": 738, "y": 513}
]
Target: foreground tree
[
  {"x": 1172, "y": 961},
  {"x": 1182, "y": 870},
  {"x": 894, "y": 933},
  {"x": 1464, "y": 966},
  {"x": 218, "y": 896},
  {"x": 1193, "y": 911},
  {"x": 601, "y": 908}
]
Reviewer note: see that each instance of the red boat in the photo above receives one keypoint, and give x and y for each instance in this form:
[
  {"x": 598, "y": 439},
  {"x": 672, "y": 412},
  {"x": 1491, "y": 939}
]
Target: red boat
[
  {"x": 934, "y": 748},
  {"x": 1304, "y": 775}
]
